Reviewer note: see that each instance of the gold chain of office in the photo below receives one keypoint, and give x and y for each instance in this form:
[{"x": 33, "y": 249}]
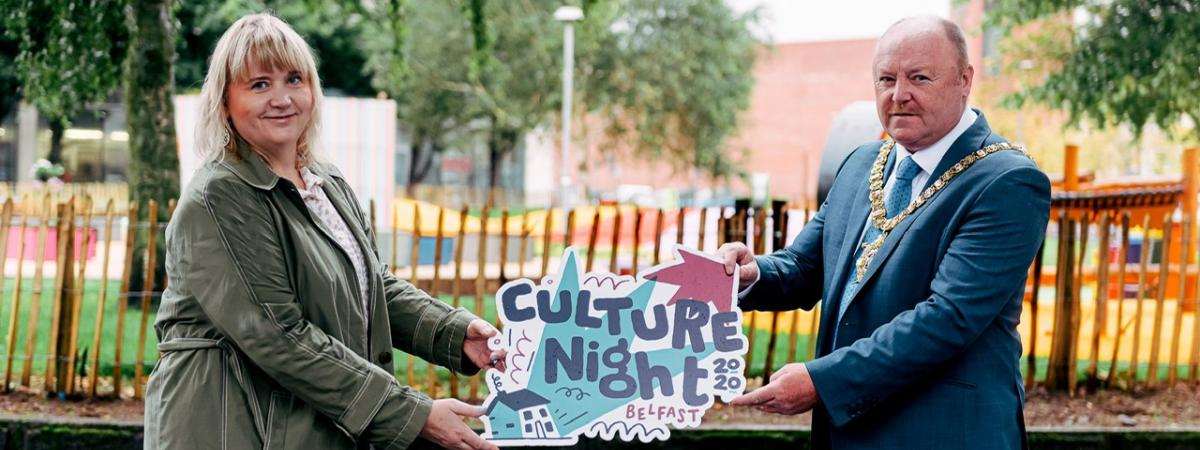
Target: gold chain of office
[{"x": 879, "y": 211}]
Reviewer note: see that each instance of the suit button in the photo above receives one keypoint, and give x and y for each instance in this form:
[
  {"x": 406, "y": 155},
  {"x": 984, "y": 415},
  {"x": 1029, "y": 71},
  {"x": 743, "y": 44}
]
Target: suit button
[{"x": 385, "y": 357}]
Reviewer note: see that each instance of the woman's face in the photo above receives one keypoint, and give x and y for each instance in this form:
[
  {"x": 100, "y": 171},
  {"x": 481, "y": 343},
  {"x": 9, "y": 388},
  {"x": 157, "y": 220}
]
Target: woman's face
[{"x": 270, "y": 108}]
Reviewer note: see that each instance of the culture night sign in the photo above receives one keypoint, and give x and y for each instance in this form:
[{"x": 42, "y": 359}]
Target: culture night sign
[{"x": 603, "y": 355}]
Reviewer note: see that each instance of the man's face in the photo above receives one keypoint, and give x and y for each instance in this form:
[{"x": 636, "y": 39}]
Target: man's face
[{"x": 920, "y": 90}]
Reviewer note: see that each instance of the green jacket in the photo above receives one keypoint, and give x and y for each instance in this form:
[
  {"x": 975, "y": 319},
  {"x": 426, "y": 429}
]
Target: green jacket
[{"x": 263, "y": 336}]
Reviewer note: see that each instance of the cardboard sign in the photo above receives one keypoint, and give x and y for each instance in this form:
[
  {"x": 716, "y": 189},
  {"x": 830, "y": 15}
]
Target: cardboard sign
[{"x": 605, "y": 355}]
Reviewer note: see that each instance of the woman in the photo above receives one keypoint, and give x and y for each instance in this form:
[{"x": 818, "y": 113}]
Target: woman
[{"x": 278, "y": 324}]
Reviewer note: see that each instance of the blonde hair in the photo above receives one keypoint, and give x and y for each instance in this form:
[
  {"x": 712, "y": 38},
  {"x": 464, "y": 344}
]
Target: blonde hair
[{"x": 254, "y": 39}]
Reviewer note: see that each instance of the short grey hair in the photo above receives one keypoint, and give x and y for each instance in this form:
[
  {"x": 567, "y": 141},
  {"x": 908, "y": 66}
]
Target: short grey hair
[{"x": 953, "y": 33}]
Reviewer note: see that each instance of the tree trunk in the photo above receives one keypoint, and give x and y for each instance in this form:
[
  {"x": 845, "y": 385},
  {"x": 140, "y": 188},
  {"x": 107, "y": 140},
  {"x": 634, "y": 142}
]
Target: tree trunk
[
  {"x": 58, "y": 125},
  {"x": 420, "y": 162},
  {"x": 149, "y": 103},
  {"x": 501, "y": 143},
  {"x": 1062, "y": 365}
]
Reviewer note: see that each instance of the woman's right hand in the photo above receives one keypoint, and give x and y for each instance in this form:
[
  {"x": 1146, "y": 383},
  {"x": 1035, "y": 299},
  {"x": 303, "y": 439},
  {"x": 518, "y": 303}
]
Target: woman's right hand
[{"x": 445, "y": 427}]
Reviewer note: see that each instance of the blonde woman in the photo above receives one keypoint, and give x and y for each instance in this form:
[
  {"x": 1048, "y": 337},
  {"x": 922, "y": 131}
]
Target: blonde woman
[{"x": 278, "y": 325}]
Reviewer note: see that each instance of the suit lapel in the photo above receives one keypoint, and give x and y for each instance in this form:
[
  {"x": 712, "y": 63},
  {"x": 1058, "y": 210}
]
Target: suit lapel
[
  {"x": 856, "y": 223},
  {"x": 971, "y": 140}
]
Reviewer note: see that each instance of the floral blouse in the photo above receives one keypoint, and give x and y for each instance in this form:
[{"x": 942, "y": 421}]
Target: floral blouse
[{"x": 319, "y": 204}]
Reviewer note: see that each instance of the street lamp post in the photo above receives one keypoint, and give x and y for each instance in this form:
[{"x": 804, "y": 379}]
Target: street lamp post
[{"x": 568, "y": 15}]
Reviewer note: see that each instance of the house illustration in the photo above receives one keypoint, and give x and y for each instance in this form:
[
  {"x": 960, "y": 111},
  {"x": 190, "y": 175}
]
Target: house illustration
[{"x": 521, "y": 414}]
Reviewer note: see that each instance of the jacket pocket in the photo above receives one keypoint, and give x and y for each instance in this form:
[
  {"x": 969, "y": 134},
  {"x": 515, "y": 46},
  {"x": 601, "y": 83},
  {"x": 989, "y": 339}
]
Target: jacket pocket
[
  {"x": 959, "y": 383},
  {"x": 277, "y": 420}
]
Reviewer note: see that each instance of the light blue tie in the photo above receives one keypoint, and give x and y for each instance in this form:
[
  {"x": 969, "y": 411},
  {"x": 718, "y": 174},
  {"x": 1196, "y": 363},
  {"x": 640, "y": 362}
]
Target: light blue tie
[{"x": 897, "y": 200}]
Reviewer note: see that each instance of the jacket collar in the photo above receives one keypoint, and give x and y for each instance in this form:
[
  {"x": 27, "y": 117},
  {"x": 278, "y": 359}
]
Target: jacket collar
[
  {"x": 971, "y": 140},
  {"x": 929, "y": 158},
  {"x": 253, "y": 169}
]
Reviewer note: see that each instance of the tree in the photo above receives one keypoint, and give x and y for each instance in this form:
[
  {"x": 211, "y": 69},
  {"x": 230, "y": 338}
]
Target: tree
[
  {"x": 419, "y": 56},
  {"x": 670, "y": 78},
  {"x": 150, "y": 109},
  {"x": 1132, "y": 62},
  {"x": 10, "y": 77},
  {"x": 150, "y": 102},
  {"x": 1127, "y": 66},
  {"x": 515, "y": 71},
  {"x": 74, "y": 52},
  {"x": 69, "y": 55},
  {"x": 332, "y": 28},
  {"x": 673, "y": 79}
]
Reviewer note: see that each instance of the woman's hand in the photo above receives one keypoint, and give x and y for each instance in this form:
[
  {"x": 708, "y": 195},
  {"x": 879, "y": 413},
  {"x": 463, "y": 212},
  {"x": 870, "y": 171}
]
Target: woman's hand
[
  {"x": 445, "y": 428},
  {"x": 475, "y": 345}
]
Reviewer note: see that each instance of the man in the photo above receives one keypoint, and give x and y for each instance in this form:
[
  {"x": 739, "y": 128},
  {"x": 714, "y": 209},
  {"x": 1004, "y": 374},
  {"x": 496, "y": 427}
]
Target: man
[{"x": 918, "y": 346}]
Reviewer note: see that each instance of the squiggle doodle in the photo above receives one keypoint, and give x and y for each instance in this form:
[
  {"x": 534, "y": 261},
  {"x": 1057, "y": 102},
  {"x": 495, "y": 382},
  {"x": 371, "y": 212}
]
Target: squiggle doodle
[
  {"x": 575, "y": 392},
  {"x": 599, "y": 281},
  {"x": 518, "y": 367},
  {"x": 628, "y": 431}
]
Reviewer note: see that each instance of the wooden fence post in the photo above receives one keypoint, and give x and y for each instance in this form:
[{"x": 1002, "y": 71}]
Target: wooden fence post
[
  {"x": 547, "y": 240},
  {"x": 1177, "y": 327},
  {"x": 147, "y": 294},
  {"x": 416, "y": 245},
  {"x": 100, "y": 299},
  {"x": 76, "y": 298},
  {"x": 1071, "y": 168},
  {"x": 1060, "y": 345},
  {"x": 16, "y": 300},
  {"x": 503, "y": 246},
  {"x": 1101, "y": 300},
  {"x": 637, "y": 239},
  {"x": 125, "y": 295},
  {"x": 435, "y": 289},
  {"x": 1160, "y": 300},
  {"x": 523, "y": 245},
  {"x": 1123, "y": 260},
  {"x": 593, "y": 235},
  {"x": 658, "y": 226},
  {"x": 480, "y": 288},
  {"x": 456, "y": 295},
  {"x": 36, "y": 300},
  {"x": 616, "y": 241}
]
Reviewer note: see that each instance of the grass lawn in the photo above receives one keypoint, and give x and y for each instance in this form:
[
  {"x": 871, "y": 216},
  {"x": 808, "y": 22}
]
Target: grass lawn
[
  {"x": 420, "y": 368},
  {"x": 108, "y": 337}
]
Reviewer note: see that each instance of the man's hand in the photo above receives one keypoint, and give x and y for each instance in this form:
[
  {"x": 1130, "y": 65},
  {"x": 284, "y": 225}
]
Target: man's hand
[
  {"x": 475, "y": 346},
  {"x": 447, "y": 430},
  {"x": 735, "y": 255},
  {"x": 791, "y": 391}
]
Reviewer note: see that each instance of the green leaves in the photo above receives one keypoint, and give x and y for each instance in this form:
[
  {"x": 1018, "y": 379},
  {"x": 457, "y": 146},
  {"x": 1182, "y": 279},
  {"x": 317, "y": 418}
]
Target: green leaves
[
  {"x": 333, "y": 28},
  {"x": 677, "y": 77},
  {"x": 668, "y": 79},
  {"x": 69, "y": 51},
  {"x": 1131, "y": 62}
]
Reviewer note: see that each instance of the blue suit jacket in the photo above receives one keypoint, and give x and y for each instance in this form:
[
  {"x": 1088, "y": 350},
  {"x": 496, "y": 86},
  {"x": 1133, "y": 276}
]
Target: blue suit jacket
[{"x": 927, "y": 353}]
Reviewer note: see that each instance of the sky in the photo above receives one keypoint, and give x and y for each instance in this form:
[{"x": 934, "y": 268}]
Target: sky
[{"x": 824, "y": 20}]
